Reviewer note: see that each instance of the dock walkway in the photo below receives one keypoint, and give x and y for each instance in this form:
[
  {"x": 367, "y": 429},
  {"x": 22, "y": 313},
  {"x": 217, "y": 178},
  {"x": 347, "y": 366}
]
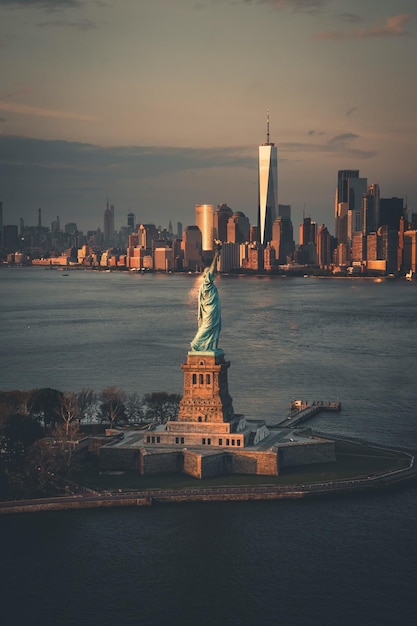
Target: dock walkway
[{"x": 301, "y": 411}]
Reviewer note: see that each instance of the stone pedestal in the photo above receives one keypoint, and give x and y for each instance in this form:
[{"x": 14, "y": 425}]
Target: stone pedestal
[{"x": 206, "y": 396}]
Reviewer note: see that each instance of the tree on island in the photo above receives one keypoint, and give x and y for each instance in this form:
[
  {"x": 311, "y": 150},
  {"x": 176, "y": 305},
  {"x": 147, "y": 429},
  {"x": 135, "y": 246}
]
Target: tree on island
[
  {"x": 134, "y": 408},
  {"x": 161, "y": 406},
  {"x": 15, "y": 401},
  {"x": 45, "y": 405},
  {"x": 87, "y": 400},
  {"x": 112, "y": 407},
  {"x": 20, "y": 432},
  {"x": 17, "y": 437},
  {"x": 70, "y": 414}
]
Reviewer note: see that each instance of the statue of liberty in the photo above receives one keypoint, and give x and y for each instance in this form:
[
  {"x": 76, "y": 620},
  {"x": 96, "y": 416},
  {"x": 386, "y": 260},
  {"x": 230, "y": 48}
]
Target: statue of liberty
[{"x": 209, "y": 315}]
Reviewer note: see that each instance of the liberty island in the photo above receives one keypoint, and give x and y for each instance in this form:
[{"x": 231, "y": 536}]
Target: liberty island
[
  {"x": 208, "y": 438},
  {"x": 253, "y": 385}
]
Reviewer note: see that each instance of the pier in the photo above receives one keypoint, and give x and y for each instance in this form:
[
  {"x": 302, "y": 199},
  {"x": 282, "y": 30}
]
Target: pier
[{"x": 301, "y": 411}]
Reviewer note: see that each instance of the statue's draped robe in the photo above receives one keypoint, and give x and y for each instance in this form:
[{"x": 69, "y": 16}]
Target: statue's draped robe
[{"x": 209, "y": 316}]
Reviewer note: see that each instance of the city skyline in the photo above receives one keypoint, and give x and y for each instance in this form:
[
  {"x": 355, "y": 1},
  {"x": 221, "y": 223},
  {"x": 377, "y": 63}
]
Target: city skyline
[{"x": 162, "y": 107}]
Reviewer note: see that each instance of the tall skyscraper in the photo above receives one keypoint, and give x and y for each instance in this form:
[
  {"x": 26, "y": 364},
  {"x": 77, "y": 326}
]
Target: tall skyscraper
[
  {"x": 357, "y": 190},
  {"x": 191, "y": 247},
  {"x": 284, "y": 211},
  {"x": 130, "y": 222},
  {"x": 109, "y": 224},
  {"x": 221, "y": 216},
  {"x": 323, "y": 247},
  {"x": 341, "y": 205},
  {"x": 390, "y": 212},
  {"x": 204, "y": 220},
  {"x": 267, "y": 187},
  {"x": 238, "y": 227},
  {"x": 282, "y": 240}
]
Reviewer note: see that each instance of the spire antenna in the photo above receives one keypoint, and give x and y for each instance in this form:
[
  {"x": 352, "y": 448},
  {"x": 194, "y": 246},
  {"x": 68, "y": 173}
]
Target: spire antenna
[{"x": 267, "y": 126}]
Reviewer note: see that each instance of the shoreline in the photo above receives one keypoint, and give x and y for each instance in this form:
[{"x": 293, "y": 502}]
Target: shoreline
[
  {"x": 149, "y": 497},
  {"x": 290, "y": 273}
]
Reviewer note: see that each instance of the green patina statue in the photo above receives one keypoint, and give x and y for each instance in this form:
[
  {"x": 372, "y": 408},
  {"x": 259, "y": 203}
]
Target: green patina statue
[{"x": 209, "y": 314}]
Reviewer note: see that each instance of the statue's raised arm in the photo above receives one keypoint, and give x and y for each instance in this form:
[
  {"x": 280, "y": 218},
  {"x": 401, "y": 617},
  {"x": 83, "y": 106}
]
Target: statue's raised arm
[{"x": 209, "y": 313}]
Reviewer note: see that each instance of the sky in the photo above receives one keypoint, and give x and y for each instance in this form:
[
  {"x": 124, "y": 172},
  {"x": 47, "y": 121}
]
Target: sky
[{"x": 160, "y": 105}]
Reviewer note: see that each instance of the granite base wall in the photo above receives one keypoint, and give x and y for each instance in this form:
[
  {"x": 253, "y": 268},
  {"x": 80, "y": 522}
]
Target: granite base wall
[
  {"x": 258, "y": 463},
  {"x": 121, "y": 459},
  {"x": 151, "y": 464},
  {"x": 306, "y": 454},
  {"x": 201, "y": 466}
]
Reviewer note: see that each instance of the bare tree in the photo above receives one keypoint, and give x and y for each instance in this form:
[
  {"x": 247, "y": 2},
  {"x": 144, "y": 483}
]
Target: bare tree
[
  {"x": 87, "y": 399},
  {"x": 112, "y": 408},
  {"x": 69, "y": 412},
  {"x": 134, "y": 411}
]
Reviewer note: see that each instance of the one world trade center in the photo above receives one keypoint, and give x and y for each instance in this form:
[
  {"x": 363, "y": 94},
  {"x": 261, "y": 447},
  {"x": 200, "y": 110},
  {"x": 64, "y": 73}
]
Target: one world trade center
[{"x": 268, "y": 188}]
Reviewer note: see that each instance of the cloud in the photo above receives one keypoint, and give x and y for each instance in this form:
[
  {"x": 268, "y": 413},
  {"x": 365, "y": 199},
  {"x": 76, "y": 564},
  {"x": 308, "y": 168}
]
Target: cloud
[
  {"x": 337, "y": 145},
  {"x": 2, "y": 120},
  {"x": 151, "y": 161},
  {"x": 41, "y": 4},
  {"x": 299, "y": 6},
  {"x": 350, "y": 18},
  {"x": 27, "y": 109},
  {"x": 393, "y": 26},
  {"x": 143, "y": 161},
  {"x": 82, "y": 25},
  {"x": 296, "y": 6},
  {"x": 315, "y": 132},
  {"x": 343, "y": 138}
]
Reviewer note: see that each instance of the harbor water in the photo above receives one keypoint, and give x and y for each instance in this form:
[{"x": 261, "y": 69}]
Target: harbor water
[{"x": 334, "y": 561}]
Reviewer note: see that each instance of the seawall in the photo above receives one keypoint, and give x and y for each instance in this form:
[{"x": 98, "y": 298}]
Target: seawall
[{"x": 213, "y": 494}]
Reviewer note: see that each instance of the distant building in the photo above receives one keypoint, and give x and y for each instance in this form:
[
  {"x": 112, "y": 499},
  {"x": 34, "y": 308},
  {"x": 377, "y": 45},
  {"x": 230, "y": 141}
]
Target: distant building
[
  {"x": 370, "y": 209},
  {"x": 371, "y": 247},
  {"x": 391, "y": 210},
  {"x": 282, "y": 240},
  {"x": 358, "y": 247},
  {"x": 388, "y": 247},
  {"x": 284, "y": 211},
  {"x": 10, "y": 237},
  {"x": 109, "y": 224},
  {"x": 357, "y": 190},
  {"x": 344, "y": 178},
  {"x": 410, "y": 250},
  {"x": 238, "y": 228},
  {"x": 55, "y": 226},
  {"x": 147, "y": 233},
  {"x": 269, "y": 258},
  {"x": 131, "y": 222},
  {"x": 163, "y": 258},
  {"x": 230, "y": 257},
  {"x": 220, "y": 219},
  {"x": 324, "y": 247},
  {"x": 255, "y": 260},
  {"x": 192, "y": 248}
]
